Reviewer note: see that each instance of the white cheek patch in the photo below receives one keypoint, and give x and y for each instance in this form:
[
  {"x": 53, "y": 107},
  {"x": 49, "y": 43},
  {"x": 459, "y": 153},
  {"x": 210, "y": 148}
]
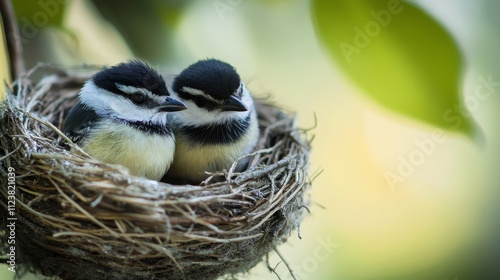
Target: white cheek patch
[
  {"x": 160, "y": 118},
  {"x": 196, "y": 116},
  {"x": 125, "y": 109},
  {"x": 246, "y": 97},
  {"x": 108, "y": 104},
  {"x": 240, "y": 88}
]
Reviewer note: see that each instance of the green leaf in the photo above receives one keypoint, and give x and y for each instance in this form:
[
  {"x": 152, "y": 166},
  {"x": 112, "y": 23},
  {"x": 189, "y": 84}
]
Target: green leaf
[
  {"x": 147, "y": 26},
  {"x": 399, "y": 55},
  {"x": 33, "y": 15}
]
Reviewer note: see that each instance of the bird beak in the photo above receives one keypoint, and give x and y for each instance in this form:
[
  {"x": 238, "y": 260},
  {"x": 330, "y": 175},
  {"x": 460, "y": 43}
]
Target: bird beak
[
  {"x": 234, "y": 104},
  {"x": 172, "y": 105}
]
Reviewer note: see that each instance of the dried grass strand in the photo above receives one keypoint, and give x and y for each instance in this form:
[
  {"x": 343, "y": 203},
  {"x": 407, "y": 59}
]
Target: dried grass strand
[{"x": 84, "y": 219}]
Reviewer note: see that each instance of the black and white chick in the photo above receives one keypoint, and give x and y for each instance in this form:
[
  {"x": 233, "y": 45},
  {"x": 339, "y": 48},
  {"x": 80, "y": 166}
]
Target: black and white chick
[
  {"x": 220, "y": 124},
  {"x": 121, "y": 118}
]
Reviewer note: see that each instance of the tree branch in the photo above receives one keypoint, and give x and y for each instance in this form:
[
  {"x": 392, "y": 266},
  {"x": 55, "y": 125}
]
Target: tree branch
[{"x": 13, "y": 39}]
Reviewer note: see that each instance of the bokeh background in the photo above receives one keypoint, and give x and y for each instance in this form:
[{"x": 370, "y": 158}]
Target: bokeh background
[{"x": 441, "y": 221}]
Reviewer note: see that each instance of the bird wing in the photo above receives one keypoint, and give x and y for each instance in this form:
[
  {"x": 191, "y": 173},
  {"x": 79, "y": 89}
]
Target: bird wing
[{"x": 79, "y": 121}]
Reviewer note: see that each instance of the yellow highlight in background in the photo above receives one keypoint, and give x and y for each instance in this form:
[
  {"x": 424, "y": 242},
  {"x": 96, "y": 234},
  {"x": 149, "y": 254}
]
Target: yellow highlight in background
[{"x": 4, "y": 61}]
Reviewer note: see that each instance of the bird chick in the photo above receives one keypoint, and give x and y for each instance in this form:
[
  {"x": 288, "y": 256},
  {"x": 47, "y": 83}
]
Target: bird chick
[
  {"x": 220, "y": 124},
  {"x": 121, "y": 118}
]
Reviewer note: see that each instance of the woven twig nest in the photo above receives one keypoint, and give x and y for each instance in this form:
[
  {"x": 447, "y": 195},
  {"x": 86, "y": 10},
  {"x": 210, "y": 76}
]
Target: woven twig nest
[{"x": 78, "y": 218}]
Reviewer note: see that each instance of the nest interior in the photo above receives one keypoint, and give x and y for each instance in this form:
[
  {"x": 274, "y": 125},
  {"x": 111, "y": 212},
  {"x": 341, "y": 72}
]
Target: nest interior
[{"x": 78, "y": 218}]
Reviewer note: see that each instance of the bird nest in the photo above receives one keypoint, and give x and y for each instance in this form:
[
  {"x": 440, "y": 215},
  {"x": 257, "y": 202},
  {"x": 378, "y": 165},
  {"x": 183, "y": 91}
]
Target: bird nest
[{"x": 78, "y": 218}]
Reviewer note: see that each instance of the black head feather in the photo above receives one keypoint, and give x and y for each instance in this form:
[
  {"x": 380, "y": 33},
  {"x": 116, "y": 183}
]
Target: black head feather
[
  {"x": 132, "y": 73},
  {"x": 214, "y": 77}
]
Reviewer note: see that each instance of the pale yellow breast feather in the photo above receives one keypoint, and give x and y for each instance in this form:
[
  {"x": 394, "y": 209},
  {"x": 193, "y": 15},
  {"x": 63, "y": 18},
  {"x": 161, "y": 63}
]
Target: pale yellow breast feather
[
  {"x": 145, "y": 155},
  {"x": 192, "y": 161}
]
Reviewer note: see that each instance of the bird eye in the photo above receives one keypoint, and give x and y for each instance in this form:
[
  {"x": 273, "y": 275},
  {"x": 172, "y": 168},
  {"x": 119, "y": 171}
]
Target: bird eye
[
  {"x": 239, "y": 92},
  {"x": 200, "y": 101},
  {"x": 138, "y": 99}
]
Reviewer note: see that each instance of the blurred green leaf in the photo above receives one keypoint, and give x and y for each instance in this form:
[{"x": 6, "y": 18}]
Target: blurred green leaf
[
  {"x": 399, "y": 55},
  {"x": 147, "y": 26},
  {"x": 39, "y": 14}
]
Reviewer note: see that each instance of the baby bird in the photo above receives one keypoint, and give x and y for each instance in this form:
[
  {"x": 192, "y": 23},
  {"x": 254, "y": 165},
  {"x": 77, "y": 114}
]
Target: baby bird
[
  {"x": 220, "y": 124},
  {"x": 121, "y": 118}
]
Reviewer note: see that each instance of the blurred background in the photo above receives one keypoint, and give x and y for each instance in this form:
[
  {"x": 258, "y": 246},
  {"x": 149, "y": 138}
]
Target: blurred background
[{"x": 399, "y": 197}]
